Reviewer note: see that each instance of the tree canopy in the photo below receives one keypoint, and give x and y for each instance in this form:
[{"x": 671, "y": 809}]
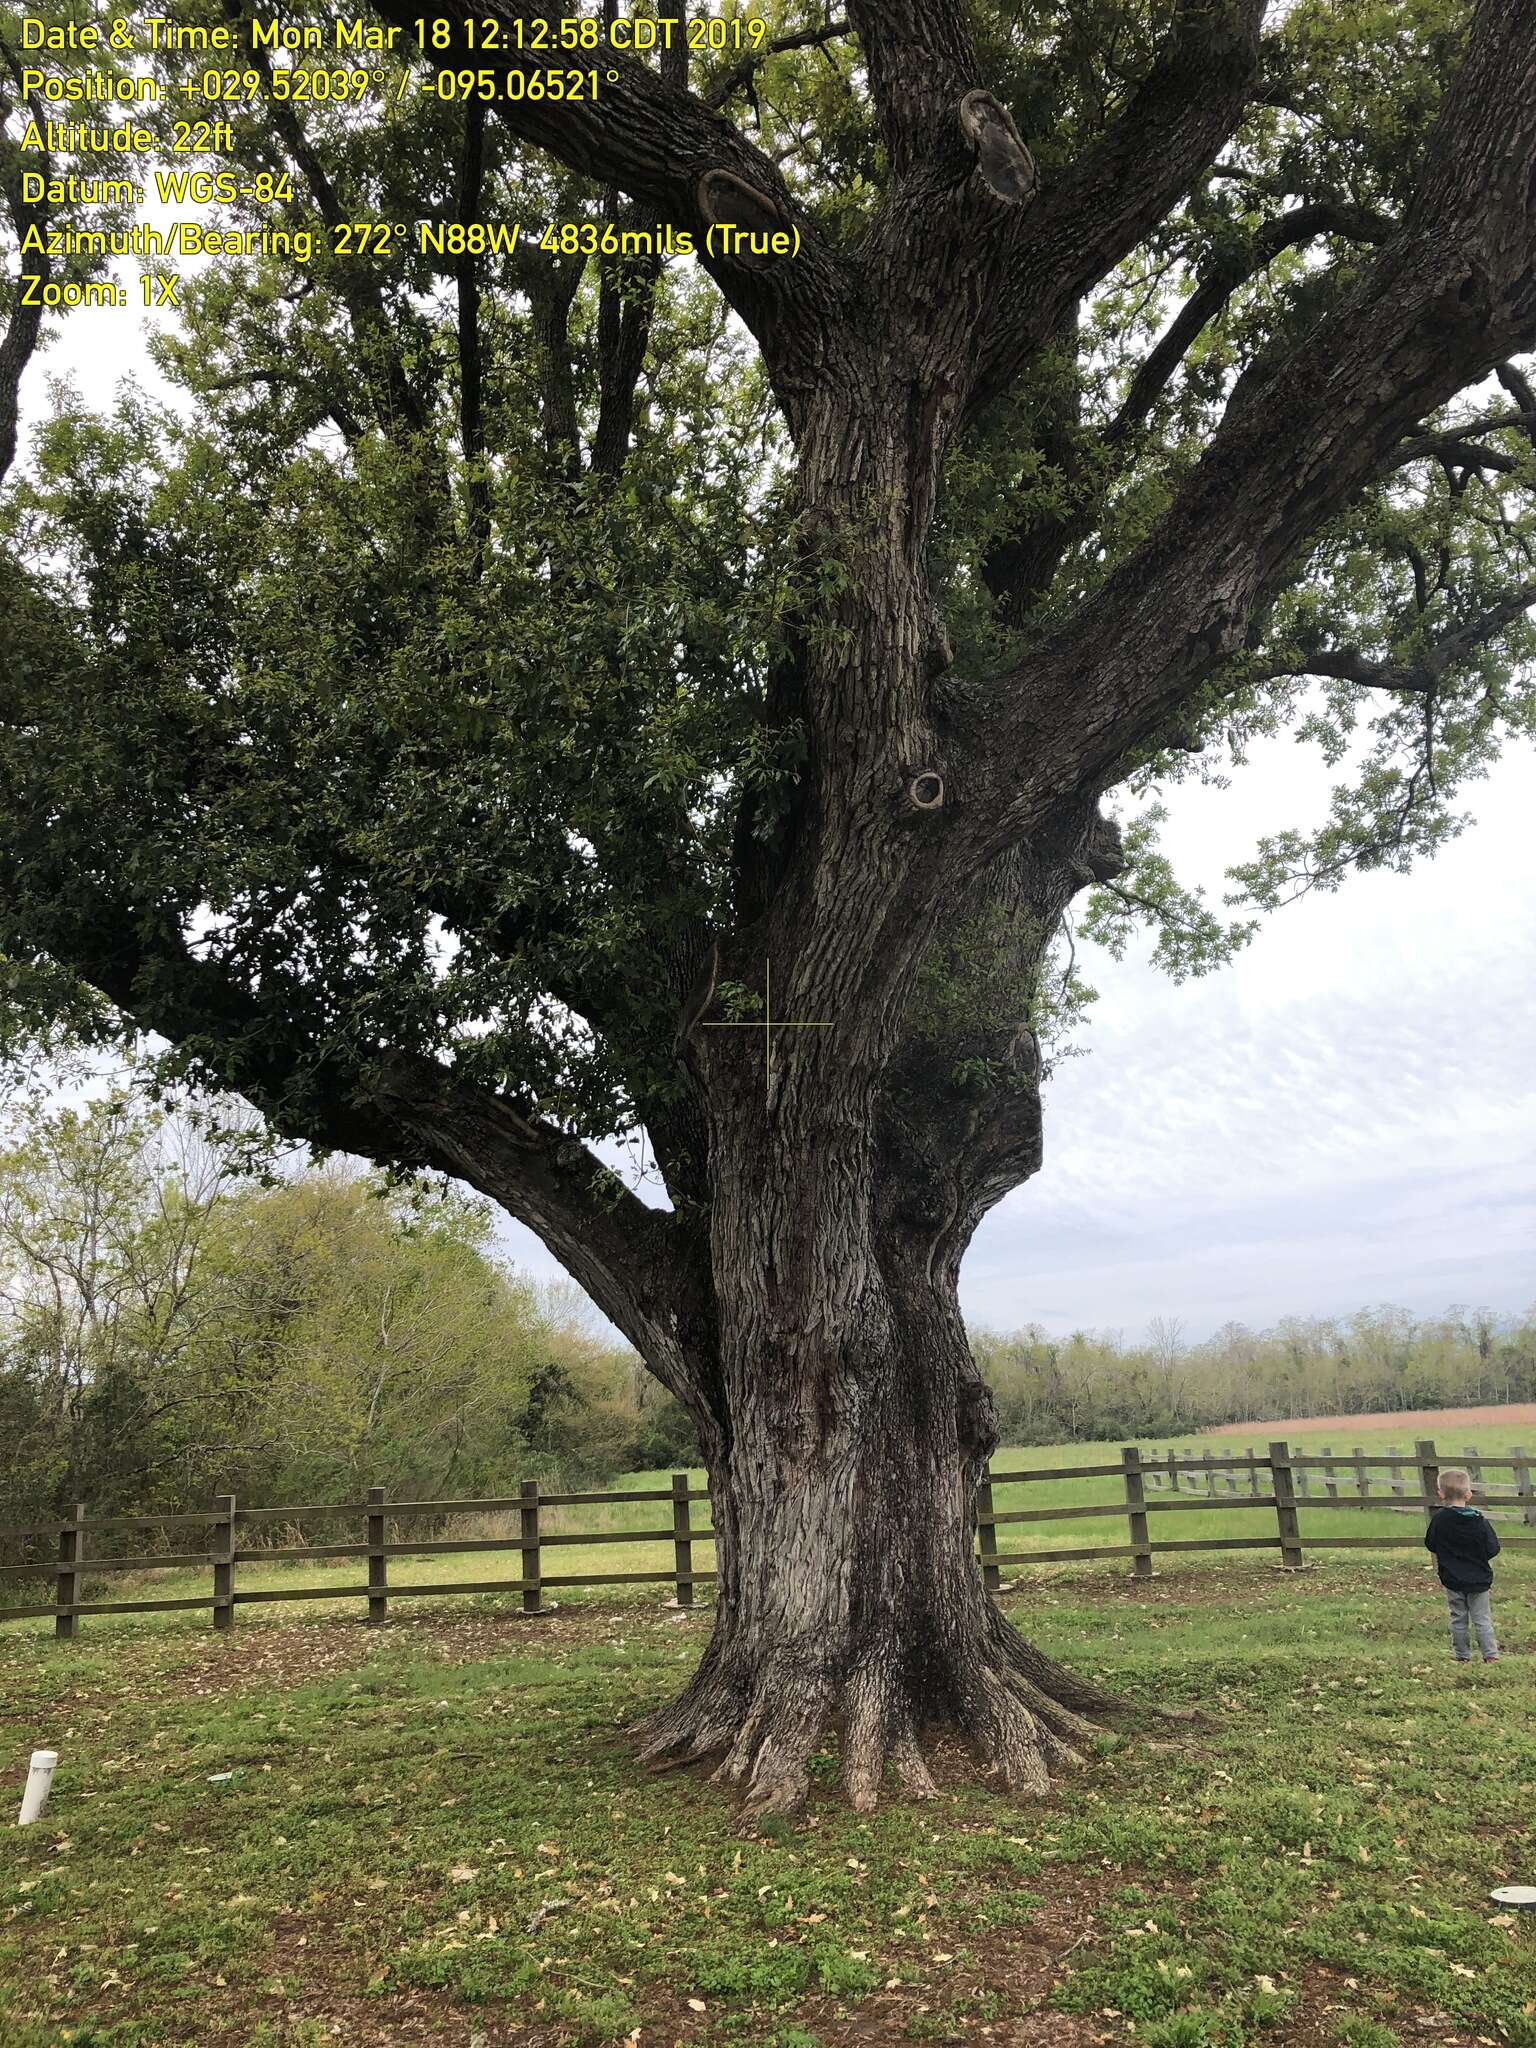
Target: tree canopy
[{"x": 417, "y": 685}]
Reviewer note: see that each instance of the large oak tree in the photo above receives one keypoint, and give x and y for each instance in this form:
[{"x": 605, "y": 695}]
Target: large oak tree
[{"x": 505, "y": 662}]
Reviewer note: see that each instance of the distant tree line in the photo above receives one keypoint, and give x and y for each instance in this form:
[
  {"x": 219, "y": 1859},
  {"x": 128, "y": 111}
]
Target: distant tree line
[
  {"x": 181, "y": 1316},
  {"x": 171, "y": 1327},
  {"x": 1088, "y": 1387}
]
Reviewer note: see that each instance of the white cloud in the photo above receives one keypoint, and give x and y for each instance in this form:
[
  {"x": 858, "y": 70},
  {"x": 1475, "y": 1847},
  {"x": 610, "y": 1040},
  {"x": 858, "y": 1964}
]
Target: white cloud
[{"x": 1346, "y": 1115}]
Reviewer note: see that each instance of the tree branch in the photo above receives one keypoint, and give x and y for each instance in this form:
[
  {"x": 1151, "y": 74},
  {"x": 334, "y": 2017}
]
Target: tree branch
[
  {"x": 1020, "y": 566},
  {"x": 1457, "y": 444},
  {"x": 403, "y": 1110},
  {"x": 643, "y": 133},
  {"x": 625, "y": 298},
  {"x": 1210, "y": 296},
  {"x": 346, "y": 422},
  {"x": 372, "y": 328},
  {"x": 921, "y": 64},
  {"x": 550, "y": 284},
  {"x": 471, "y": 370},
  {"x": 1448, "y": 299},
  {"x": 731, "y": 82},
  {"x": 1185, "y": 108},
  {"x": 1423, "y": 676}
]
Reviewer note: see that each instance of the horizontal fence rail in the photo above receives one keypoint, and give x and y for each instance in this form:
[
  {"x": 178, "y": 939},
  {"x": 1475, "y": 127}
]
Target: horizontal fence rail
[{"x": 1153, "y": 1484}]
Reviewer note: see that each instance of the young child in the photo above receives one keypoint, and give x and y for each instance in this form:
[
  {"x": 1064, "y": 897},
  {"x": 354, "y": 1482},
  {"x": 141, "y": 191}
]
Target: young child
[{"x": 1463, "y": 1541}]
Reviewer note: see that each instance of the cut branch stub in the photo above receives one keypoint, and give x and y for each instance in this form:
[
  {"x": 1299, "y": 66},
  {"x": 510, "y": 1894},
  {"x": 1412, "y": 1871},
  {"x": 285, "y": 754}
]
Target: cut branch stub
[
  {"x": 1003, "y": 164},
  {"x": 924, "y": 791},
  {"x": 727, "y": 201}
]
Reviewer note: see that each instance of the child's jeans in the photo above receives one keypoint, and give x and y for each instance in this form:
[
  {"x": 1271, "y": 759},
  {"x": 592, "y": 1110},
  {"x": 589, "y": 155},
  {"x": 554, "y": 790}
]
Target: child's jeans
[{"x": 1473, "y": 1608}]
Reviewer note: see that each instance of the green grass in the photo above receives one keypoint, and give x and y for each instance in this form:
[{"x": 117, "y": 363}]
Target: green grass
[
  {"x": 1374, "y": 1434},
  {"x": 1311, "y": 1864},
  {"x": 1225, "y": 1522}
]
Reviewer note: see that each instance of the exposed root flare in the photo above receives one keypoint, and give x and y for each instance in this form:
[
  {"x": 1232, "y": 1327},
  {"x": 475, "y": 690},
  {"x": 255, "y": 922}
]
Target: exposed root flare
[
  {"x": 1008, "y": 1741},
  {"x": 768, "y": 1763},
  {"x": 701, "y": 1722},
  {"x": 1191, "y": 1717},
  {"x": 1025, "y": 1718},
  {"x": 1068, "y": 1729},
  {"x": 907, "y": 1762},
  {"x": 1066, "y": 1689},
  {"x": 866, "y": 1722}
]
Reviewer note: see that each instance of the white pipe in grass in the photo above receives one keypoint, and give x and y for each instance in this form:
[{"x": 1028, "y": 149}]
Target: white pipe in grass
[{"x": 39, "y": 1782}]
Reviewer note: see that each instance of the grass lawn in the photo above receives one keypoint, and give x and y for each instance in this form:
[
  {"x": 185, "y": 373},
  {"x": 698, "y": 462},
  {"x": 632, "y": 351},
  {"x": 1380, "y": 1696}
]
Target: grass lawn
[{"x": 434, "y": 1834}]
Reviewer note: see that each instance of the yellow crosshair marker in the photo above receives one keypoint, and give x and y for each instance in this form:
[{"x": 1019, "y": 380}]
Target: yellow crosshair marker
[{"x": 768, "y": 1024}]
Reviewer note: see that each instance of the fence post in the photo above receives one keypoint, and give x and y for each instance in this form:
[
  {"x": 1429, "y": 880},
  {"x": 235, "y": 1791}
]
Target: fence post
[
  {"x": 1428, "y": 1460},
  {"x": 1136, "y": 1513},
  {"x": 378, "y": 1572},
  {"x": 1474, "y": 1471},
  {"x": 1330, "y": 1477},
  {"x": 1210, "y": 1475},
  {"x": 1397, "y": 1473},
  {"x": 66, "y": 1591},
  {"x": 986, "y": 1531},
  {"x": 222, "y": 1554},
  {"x": 530, "y": 1552},
  {"x": 1521, "y": 1463},
  {"x": 1173, "y": 1469},
  {"x": 1253, "y": 1474},
  {"x": 1362, "y": 1479},
  {"x": 682, "y": 1540},
  {"x": 1285, "y": 1507}
]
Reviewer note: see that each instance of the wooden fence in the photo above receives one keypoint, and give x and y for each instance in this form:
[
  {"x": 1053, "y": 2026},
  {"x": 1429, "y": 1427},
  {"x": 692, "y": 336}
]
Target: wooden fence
[
  {"x": 1281, "y": 1491},
  {"x": 1397, "y": 1486}
]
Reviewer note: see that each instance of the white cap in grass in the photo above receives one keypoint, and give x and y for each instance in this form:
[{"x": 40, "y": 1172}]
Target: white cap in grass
[
  {"x": 1521, "y": 1895},
  {"x": 39, "y": 1782}
]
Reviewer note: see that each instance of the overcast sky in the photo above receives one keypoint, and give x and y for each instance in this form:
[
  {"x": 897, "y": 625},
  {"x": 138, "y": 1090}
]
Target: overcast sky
[{"x": 1346, "y": 1116}]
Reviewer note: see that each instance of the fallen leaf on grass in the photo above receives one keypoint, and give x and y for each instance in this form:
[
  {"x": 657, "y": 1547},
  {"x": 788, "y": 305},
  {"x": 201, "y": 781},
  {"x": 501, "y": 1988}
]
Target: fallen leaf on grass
[{"x": 537, "y": 1918}]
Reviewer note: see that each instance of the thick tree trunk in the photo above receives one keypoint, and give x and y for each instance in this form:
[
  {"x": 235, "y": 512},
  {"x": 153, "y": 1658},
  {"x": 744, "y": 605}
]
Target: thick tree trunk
[
  {"x": 849, "y": 1598},
  {"x": 850, "y": 1424}
]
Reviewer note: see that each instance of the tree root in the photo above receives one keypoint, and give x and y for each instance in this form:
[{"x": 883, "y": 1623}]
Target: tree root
[
  {"x": 768, "y": 1764},
  {"x": 1025, "y": 1718},
  {"x": 1066, "y": 1688}
]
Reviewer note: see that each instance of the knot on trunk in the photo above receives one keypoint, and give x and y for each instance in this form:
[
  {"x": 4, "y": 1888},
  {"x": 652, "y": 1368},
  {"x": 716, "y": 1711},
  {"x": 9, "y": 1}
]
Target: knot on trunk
[
  {"x": 1004, "y": 166},
  {"x": 727, "y": 201},
  {"x": 1103, "y": 852},
  {"x": 940, "y": 653}
]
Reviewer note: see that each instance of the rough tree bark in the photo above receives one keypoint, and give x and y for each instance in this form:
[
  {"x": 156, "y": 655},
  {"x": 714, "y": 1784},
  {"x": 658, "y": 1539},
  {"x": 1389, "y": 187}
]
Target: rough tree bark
[{"x": 848, "y": 1594}]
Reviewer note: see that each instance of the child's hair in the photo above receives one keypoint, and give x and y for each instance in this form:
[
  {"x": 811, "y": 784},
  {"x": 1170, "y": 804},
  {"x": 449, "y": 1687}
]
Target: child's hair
[{"x": 1455, "y": 1483}]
